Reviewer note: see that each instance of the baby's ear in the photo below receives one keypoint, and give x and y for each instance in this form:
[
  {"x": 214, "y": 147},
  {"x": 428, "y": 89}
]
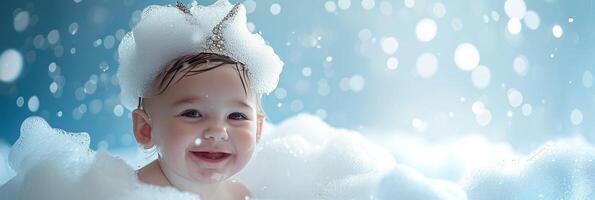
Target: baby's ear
[
  {"x": 259, "y": 121},
  {"x": 142, "y": 128}
]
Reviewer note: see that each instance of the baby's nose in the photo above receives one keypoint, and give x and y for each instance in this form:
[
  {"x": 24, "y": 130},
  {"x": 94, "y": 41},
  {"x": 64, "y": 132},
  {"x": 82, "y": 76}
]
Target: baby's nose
[{"x": 216, "y": 134}]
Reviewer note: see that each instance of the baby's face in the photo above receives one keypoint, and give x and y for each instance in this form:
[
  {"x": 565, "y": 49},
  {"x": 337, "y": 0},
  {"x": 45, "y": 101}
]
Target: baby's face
[{"x": 213, "y": 107}]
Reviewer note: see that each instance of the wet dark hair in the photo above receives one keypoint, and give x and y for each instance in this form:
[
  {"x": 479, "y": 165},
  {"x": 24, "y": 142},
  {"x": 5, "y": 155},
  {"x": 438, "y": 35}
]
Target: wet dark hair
[
  {"x": 196, "y": 64},
  {"x": 193, "y": 64}
]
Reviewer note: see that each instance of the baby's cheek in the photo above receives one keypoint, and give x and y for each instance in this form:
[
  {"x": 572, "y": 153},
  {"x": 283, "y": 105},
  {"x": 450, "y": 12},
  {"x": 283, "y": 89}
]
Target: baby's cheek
[{"x": 175, "y": 140}]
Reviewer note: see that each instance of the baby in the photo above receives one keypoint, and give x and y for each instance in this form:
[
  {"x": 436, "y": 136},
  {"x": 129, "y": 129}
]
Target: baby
[{"x": 193, "y": 78}]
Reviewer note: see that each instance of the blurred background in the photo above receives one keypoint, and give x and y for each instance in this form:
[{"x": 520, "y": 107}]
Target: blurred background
[{"x": 514, "y": 72}]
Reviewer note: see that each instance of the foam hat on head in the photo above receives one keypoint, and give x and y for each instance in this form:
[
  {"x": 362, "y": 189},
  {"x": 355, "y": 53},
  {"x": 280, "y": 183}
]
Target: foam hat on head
[{"x": 164, "y": 33}]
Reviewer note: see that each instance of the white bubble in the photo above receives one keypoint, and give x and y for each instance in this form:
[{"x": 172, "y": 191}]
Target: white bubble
[
  {"x": 509, "y": 113},
  {"x": 306, "y": 71},
  {"x": 97, "y": 43},
  {"x": 53, "y": 36},
  {"x": 576, "y": 117},
  {"x": 527, "y": 109},
  {"x": 484, "y": 117},
  {"x": 386, "y": 8},
  {"x": 11, "y": 65},
  {"x": 82, "y": 108},
  {"x": 53, "y": 87},
  {"x": 52, "y": 67},
  {"x": 521, "y": 65},
  {"x": 515, "y": 8},
  {"x": 392, "y": 63},
  {"x": 478, "y": 107},
  {"x": 21, "y": 21},
  {"x": 364, "y": 34},
  {"x": 33, "y": 104},
  {"x": 532, "y": 20},
  {"x": 109, "y": 41},
  {"x": 59, "y": 114},
  {"x": 587, "y": 79},
  {"x": 39, "y": 41},
  {"x": 197, "y": 141},
  {"x": 426, "y": 30},
  {"x": 481, "y": 76},
  {"x": 77, "y": 1},
  {"x": 409, "y": 3},
  {"x": 495, "y": 16},
  {"x": 90, "y": 87},
  {"x": 72, "y": 50},
  {"x": 514, "y": 26},
  {"x": 439, "y": 10},
  {"x": 103, "y": 66},
  {"x": 570, "y": 19},
  {"x": 368, "y": 4},
  {"x": 426, "y": 65},
  {"x": 73, "y": 28},
  {"x": 329, "y": 59},
  {"x": 280, "y": 93},
  {"x": 344, "y": 4},
  {"x": 118, "y": 110},
  {"x": 20, "y": 101},
  {"x": 515, "y": 98},
  {"x": 390, "y": 45},
  {"x": 466, "y": 56},
  {"x": 557, "y": 31},
  {"x": 250, "y": 6},
  {"x": 330, "y": 6},
  {"x": 275, "y": 9},
  {"x": 357, "y": 83}
]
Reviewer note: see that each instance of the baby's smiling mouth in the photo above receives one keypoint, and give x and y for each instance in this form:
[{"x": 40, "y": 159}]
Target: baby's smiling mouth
[{"x": 212, "y": 157}]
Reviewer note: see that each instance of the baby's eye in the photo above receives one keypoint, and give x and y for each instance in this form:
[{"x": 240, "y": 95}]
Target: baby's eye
[
  {"x": 237, "y": 116},
  {"x": 192, "y": 113}
]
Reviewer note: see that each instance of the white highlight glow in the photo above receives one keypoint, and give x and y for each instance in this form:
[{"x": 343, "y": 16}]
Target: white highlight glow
[
  {"x": 532, "y": 20},
  {"x": 11, "y": 65},
  {"x": 275, "y": 9},
  {"x": 426, "y": 65},
  {"x": 426, "y": 30},
  {"x": 33, "y": 104},
  {"x": 557, "y": 31},
  {"x": 466, "y": 56},
  {"x": 576, "y": 117},
  {"x": 392, "y": 63},
  {"x": 514, "y": 26},
  {"x": 521, "y": 65},
  {"x": 390, "y": 45},
  {"x": 515, "y": 98},
  {"x": 21, "y": 21},
  {"x": 515, "y": 8},
  {"x": 481, "y": 76}
]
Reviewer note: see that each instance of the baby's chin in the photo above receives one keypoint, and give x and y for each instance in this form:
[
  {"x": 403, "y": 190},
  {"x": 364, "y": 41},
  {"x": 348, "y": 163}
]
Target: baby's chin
[{"x": 211, "y": 177}]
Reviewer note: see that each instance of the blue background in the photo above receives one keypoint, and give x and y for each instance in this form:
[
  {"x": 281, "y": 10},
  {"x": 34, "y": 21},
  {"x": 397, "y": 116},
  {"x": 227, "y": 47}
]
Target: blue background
[{"x": 306, "y": 35}]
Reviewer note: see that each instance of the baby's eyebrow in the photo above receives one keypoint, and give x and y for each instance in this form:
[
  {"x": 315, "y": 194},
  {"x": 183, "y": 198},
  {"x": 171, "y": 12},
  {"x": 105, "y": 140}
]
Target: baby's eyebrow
[
  {"x": 188, "y": 100},
  {"x": 194, "y": 99},
  {"x": 243, "y": 103}
]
